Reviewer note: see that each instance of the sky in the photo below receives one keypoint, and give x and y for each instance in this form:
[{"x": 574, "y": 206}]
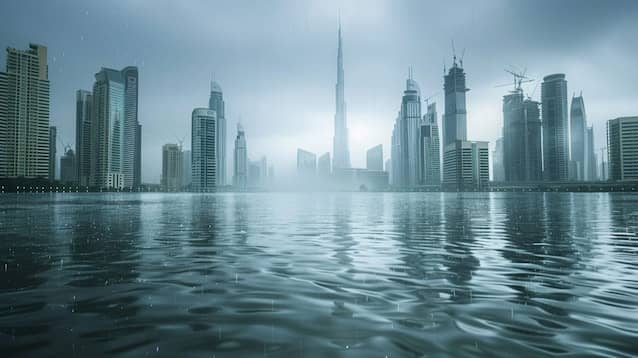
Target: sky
[{"x": 276, "y": 63}]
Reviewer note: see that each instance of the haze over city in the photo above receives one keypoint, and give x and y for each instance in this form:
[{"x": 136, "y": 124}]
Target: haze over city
[{"x": 276, "y": 63}]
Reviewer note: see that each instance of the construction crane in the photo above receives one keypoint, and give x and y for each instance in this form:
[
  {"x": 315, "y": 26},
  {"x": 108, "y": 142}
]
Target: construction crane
[
  {"x": 519, "y": 79},
  {"x": 180, "y": 141}
]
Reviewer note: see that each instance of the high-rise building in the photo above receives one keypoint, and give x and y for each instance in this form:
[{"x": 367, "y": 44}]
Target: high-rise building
[
  {"x": 115, "y": 131},
  {"x": 263, "y": 171},
  {"x": 68, "y": 170},
  {"x": 341, "y": 151},
  {"x": 429, "y": 149},
  {"x": 590, "y": 156},
  {"x": 186, "y": 169},
  {"x": 254, "y": 174},
  {"x": 578, "y": 133},
  {"x": 171, "y": 179},
  {"x": 374, "y": 158},
  {"x": 498, "y": 171},
  {"x": 396, "y": 174},
  {"x": 24, "y": 114},
  {"x": 455, "y": 116},
  {"x": 216, "y": 103},
  {"x": 388, "y": 169},
  {"x": 466, "y": 165},
  {"x": 108, "y": 128},
  {"x": 240, "y": 160},
  {"x": 83, "y": 139},
  {"x": 405, "y": 142},
  {"x": 271, "y": 175},
  {"x": 306, "y": 164},
  {"x": 130, "y": 126},
  {"x": 622, "y": 147},
  {"x": 53, "y": 134},
  {"x": 522, "y": 147},
  {"x": 204, "y": 150},
  {"x": 323, "y": 165},
  {"x": 137, "y": 167},
  {"x": 555, "y": 127}
]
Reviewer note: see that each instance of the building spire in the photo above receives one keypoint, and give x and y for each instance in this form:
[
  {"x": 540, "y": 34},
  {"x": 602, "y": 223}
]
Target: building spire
[{"x": 341, "y": 155}]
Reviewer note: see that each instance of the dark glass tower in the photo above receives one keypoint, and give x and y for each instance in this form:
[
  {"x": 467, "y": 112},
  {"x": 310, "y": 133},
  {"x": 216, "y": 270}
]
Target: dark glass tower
[{"x": 555, "y": 130}]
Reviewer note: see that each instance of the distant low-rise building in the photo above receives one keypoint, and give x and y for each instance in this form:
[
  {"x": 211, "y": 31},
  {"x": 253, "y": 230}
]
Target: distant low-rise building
[
  {"x": 622, "y": 146},
  {"x": 466, "y": 165},
  {"x": 171, "y": 179},
  {"x": 374, "y": 158},
  {"x": 68, "y": 170}
]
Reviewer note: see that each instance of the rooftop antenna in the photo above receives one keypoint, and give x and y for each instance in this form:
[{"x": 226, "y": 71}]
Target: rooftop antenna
[{"x": 453, "y": 54}]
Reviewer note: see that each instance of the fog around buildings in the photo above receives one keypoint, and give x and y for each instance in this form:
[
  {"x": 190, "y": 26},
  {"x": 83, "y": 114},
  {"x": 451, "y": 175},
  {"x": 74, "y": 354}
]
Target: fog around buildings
[{"x": 276, "y": 63}]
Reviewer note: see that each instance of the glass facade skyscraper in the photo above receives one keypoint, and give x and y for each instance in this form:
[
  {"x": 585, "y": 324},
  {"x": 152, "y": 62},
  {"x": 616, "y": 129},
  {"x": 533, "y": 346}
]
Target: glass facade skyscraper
[
  {"x": 555, "y": 127},
  {"x": 216, "y": 103}
]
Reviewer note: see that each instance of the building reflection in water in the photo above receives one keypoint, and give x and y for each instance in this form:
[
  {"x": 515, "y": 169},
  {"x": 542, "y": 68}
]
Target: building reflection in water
[
  {"x": 539, "y": 235},
  {"x": 458, "y": 212},
  {"x": 105, "y": 255}
]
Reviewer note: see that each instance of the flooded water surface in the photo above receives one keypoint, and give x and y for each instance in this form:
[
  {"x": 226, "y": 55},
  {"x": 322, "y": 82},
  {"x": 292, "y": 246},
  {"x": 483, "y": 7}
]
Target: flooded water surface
[{"x": 319, "y": 274}]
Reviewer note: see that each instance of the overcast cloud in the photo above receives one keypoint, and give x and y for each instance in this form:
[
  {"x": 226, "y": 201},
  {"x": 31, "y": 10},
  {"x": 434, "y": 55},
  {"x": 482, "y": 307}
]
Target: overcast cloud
[{"x": 276, "y": 62}]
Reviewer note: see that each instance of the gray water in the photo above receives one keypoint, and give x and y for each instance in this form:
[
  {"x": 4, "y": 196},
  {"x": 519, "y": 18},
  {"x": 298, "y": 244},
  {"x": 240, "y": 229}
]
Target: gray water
[{"x": 344, "y": 274}]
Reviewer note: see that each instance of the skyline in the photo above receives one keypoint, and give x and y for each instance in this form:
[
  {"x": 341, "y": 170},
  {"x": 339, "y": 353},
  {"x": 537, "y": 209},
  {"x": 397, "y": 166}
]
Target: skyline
[{"x": 302, "y": 86}]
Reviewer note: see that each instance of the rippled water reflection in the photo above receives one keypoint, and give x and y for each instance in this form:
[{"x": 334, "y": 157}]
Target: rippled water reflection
[{"x": 345, "y": 274}]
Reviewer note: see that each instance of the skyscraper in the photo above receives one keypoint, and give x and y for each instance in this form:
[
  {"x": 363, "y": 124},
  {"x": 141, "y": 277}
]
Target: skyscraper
[
  {"x": 578, "y": 133},
  {"x": 374, "y": 158},
  {"x": 521, "y": 139},
  {"x": 590, "y": 156},
  {"x": 68, "y": 171},
  {"x": 83, "y": 139},
  {"x": 108, "y": 128},
  {"x": 130, "y": 149},
  {"x": 171, "y": 179},
  {"x": 429, "y": 149},
  {"x": 137, "y": 166},
  {"x": 455, "y": 116},
  {"x": 115, "y": 131},
  {"x": 622, "y": 144},
  {"x": 53, "y": 133},
  {"x": 498, "y": 171},
  {"x": 216, "y": 103},
  {"x": 186, "y": 169},
  {"x": 24, "y": 114},
  {"x": 204, "y": 150},
  {"x": 306, "y": 165},
  {"x": 340, "y": 152},
  {"x": 555, "y": 130},
  {"x": 240, "y": 160},
  {"x": 405, "y": 153}
]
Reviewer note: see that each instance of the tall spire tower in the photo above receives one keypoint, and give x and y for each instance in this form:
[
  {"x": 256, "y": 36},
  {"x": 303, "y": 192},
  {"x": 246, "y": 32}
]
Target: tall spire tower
[{"x": 341, "y": 153}]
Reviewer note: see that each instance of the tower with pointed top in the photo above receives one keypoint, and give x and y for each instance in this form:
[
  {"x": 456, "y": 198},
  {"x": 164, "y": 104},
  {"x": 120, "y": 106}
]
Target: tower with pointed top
[
  {"x": 216, "y": 103},
  {"x": 341, "y": 153}
]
